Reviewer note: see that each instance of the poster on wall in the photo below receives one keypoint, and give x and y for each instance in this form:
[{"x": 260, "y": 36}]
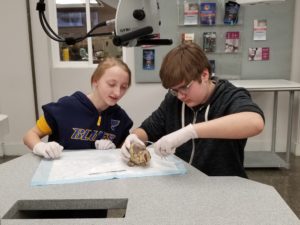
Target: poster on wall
[
  {"x": 231, "y": 13},
  {"x": 209, "y": 41},
  {"x": 260, "y": 30},
  {"x": 191, "y": 11},
  {"x": 212, "y": 63},
  {"x": 259, "y": 54},
  {"x": 232, "y": 41},
  {"x": 187, "y": 37},
  {"x": 148, "y": 59},
  {"x": 207, "y": 13}
]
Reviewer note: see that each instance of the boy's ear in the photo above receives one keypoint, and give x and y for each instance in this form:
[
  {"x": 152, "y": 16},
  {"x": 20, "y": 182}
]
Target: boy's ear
[{"x": 205, "y": 75}]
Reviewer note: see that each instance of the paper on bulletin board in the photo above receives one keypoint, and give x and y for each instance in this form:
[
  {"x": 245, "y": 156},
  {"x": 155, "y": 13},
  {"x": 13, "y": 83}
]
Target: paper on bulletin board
[
  {"x": 259, "y": 54},
  {"x": 91, "y": 165},
  {"x": 260, "y": 30}
]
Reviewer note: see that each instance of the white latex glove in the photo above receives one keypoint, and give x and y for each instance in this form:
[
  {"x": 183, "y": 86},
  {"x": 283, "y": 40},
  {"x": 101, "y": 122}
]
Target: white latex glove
[
  {"x": 168, "y": 143},
  {"x": 131, "y": 138},
  {"x": 50, "y": 150},
  {"x": 104, "y": 144}
]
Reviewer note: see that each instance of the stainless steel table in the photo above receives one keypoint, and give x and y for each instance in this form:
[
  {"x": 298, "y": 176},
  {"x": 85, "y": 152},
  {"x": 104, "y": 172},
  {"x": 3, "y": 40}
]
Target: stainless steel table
[
  {"x": 263, "y": 158},
  {"x": 193, "y": 198}
]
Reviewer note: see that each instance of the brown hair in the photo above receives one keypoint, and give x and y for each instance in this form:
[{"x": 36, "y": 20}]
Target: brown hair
[
  {"x": 107, "y": 63},
  {"x": 185, "y": 63}
]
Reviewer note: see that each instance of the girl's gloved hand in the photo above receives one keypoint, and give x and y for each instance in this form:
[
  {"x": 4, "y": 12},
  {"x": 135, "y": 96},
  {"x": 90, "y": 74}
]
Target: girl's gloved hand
[
  {"x": 50, "y": 150},
  {"x": 104, "y": 144}
]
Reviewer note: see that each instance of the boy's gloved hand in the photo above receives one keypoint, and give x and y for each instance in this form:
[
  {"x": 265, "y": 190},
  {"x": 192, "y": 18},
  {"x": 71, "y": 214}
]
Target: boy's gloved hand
[
  {"x": 50, "y": 150},
  {"x": 168, "y": 143},
  {"x": 104, "y": 144},
  {"x": 132, "y": 138}
]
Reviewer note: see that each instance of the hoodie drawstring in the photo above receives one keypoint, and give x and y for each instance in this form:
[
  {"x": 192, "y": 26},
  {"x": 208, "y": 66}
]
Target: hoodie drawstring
[
  {"x": 194, "y": 120},
  {"x": 99, "y": 121}
]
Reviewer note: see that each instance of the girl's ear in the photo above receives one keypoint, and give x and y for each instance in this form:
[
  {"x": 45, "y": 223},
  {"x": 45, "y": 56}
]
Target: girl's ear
[{"x": 94, "y": 84}]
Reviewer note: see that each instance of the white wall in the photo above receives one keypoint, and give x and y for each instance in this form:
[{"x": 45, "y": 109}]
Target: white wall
[
  {"x": 16, "y": 90},
  {"x": 16, "y": 93},
  {"x": 295, "y": 76}
]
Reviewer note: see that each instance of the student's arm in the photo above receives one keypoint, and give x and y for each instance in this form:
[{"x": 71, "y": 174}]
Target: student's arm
[
  {"x": 234, "y": 126},
  {"x": 49, "y": 150},
  {"x": 33, "y": 136}
]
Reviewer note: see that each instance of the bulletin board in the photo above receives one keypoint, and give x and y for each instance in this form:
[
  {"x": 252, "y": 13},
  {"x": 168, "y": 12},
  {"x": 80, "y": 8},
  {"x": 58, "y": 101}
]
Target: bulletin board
[{"x": 279, "y": 39}]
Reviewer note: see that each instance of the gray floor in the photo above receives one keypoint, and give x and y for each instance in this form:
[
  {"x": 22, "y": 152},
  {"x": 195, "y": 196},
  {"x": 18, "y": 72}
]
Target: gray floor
[{"x": 285, "y": 181}]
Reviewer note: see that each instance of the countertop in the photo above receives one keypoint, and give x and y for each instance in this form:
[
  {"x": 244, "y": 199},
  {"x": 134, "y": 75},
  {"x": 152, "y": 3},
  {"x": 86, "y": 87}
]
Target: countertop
[{"x": 193, "y": 198}]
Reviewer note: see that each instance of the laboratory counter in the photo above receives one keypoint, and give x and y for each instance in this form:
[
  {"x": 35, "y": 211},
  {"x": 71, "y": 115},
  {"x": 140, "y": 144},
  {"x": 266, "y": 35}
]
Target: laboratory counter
[{"x": 192, "y": 198}]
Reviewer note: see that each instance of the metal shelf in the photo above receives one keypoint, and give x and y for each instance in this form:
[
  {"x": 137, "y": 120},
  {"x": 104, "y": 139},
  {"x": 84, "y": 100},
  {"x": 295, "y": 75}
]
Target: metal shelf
[
  {"x": 265, "y": 158},
  {"x": 261, "y": 159}
]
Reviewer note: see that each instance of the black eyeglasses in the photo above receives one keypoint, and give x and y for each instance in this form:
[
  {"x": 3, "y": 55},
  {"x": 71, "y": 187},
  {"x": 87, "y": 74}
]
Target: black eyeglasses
[{"x": 182, "y": 90}]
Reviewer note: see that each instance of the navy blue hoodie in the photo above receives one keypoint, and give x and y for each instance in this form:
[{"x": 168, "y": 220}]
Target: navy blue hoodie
[{"x": 77, "y": 124}]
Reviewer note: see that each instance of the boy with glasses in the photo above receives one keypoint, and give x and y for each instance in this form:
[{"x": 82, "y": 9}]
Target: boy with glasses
[{"x": 203, "y": 120}]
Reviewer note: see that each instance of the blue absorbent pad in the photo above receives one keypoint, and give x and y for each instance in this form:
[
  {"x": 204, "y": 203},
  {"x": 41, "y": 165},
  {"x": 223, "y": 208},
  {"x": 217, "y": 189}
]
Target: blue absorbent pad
[{"x": 90, "y": 165}]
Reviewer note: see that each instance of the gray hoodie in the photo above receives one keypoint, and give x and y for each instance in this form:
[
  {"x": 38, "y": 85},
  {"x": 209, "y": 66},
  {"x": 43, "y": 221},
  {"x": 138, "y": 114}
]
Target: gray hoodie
[{"x": 214, "y": 157}]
